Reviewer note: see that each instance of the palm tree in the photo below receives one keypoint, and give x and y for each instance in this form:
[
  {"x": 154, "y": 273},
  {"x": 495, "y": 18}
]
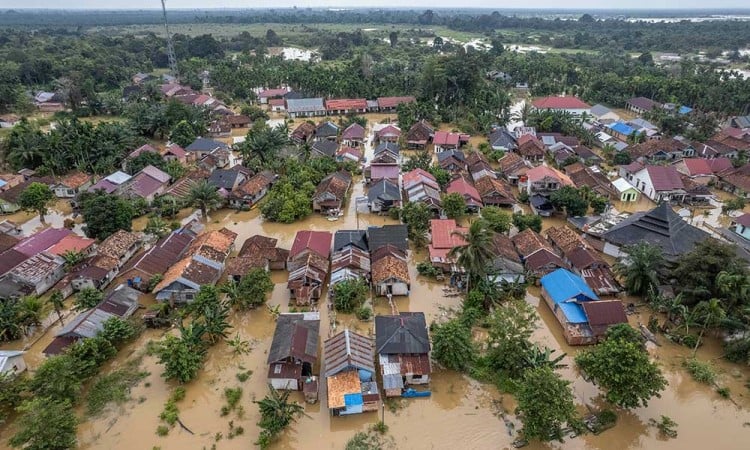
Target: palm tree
[
  {"x": 476, "y": 255},
  {"x": 72, "y": 258},
  {"x": 204, "y": 195},
  {"x": 709, "y": 314},
  {"x": 56, "y": 300},
  {"x": 735, "y": 286},
  {"x": 232, "y": 289},
  {"x": 276, "y": 413},
  {"x": 542, "y": 357},
  {"x": 215, "y": 321},
  {"x": 641, "y": 268}
]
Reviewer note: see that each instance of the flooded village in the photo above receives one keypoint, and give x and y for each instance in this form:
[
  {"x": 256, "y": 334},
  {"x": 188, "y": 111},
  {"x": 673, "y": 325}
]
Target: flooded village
[{"x": 317, "y": 271}]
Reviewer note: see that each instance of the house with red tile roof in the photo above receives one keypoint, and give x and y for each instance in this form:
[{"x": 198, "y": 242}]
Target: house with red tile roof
[
  {"x": 445, "y": 235},
  {"x": 330, "y": 193},
  {"x": 494, "y": 192},
  {"x": 266, "y": 94},
  {"x": 470, "y": 194},
  {"x": 387, "y": 104},
  {"x": 343, "y": 106},
  {"x": 73, "y": 243},
  {"x": 530, "y": 148},
  {"x": 572, "y": 105},
  {"x": 142, "y": 149},
  {"x": 174, "y": 152},
  {"x": 307, "y": 241},
  {"x": 70, "y": 185},
  {"x": 543, "y": 179},
  {"x": 444, "y": 140},
  {"x": 147, "y": 184},
  {"x": 352, "y": 154}
]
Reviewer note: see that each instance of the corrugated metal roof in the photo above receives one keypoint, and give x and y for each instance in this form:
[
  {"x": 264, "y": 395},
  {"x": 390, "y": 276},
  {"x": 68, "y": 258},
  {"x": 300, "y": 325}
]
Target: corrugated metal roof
[
  {"x": 305, "y": 105},
  {"x": 348, "y": 350},
  {"x": 563, "y": 285}
]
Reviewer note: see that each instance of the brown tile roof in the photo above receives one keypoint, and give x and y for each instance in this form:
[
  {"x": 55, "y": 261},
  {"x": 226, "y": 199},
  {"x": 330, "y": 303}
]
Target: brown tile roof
[
  {"x": 390, "y": 266},
  {"x": 200, "y": 273},
  {"x": 238, "y": 119},
  {"x": 602, "y": 314},
  {"x": 341, "y": 384},
  {"x": 564, "y": 238},
  {"x": 336, "y": 184},
  {"x": 257, "y": 241},
  {"x": 219, "y": 240},
  {"x": 75, "y": 180},
  {"x": 105, "y": 262},
  {"x": 531, "y": 148},
  {"x": 303, "y": 131},
  {"x": 511, "y": 164},
  {"x": 597, "y": 181},
  {"x": 7, "y": 242},
  {"x": 648, "y": 148},
  {"x": 181, "y": 188},
  {"x": 420, "y": 132},
  {"x": 239, "y": 266},
  {"x": 118, "y": 244},
  {"x": 544, "y": 259},
  {"x": 529, "y": 241},
  {"x": 582, "y": 258},
  {"x": 256, "y": 183},
  {"x": 503, "y": 246},
  {"x": 492, "y": 187}
]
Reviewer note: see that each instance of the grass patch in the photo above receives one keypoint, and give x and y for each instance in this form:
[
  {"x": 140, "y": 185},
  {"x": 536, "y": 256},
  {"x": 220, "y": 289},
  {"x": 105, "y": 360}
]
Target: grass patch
[
  {"x": 233, "y": 396},
  {"x": 244, "y": 376},
  {"x": 114, "y": 387},
  {"x": 724, "y": 392},
  {"x": 701, "y": 372}
]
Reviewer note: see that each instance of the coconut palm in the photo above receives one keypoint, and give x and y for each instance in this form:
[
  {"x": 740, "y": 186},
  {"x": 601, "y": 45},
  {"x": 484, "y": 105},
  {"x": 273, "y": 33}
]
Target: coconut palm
[
  {"x": 734, "y": 286},
  {"x": 56, "y": 300},
  {"x": 640, "y": 270},
  {"x": 276, "y": 413},
  {"x": 709, "y": 314},
  {"x": 476, "y": 255},
  {"x": 203, "y": 195},
  {"x": 215, "y": 321}
]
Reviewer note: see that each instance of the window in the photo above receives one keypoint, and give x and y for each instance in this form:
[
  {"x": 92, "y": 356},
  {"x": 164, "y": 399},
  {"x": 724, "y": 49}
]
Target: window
[{"x": 277, "y": 369}]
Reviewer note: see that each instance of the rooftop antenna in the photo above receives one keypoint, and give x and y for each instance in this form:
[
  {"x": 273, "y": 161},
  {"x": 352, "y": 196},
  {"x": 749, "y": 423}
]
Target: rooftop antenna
[{"x": 170, "y": 47}]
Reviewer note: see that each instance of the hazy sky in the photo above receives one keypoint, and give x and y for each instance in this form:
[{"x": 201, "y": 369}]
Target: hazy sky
[{"x": 570, "y": 4}]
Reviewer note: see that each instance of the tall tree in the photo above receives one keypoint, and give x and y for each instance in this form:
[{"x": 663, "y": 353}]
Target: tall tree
[
  {"x": 37, "y": 197},
  {"x": 251, "y": 291},
  {"x": 452, "y": 345},
  {"x": 623, "y": 370},
  {"x": 56, "y": 300},
  {"x": 709, "y": 314},
  {"x": 641, "y": 269},
  {"x": 454, "y": 205},
  {"x": 476, "y": 255},
  {"x": 105, "y": 214},
  {"x": 203, "y": 195},
  {"x": 46, "y": 424},
  {"x": 545, "y": 404}
]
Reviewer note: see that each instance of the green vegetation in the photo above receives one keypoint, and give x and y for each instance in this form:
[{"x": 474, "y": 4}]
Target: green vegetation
[
  {"x": 45, "y": 424},
  {"x": 17, "y": 315},
  {"x": 250, "y": 292},
  {"x": 452, "y": 345},
  {"x": 623, "y": 370},
  {"x": 36, "y": 198},
  {"x": 87, "y": 298},
  {"x": 349, "y": 295},
  {"x": 170, "y": 415},
  {"x": 426, "y": 269},
  {"x": 113, "y": 387},
  {"x": 497, "y": 220},
  {"x": 416, "y": 216},
  {"x": 276, "y": 414},
  {"x": 641, "y": 270},
  {"x": 454, "y": 205},
  {"x": 204, "y": 196},
  {"x": 545, "y": 405},
  {"x": 105, "y": 214},
  {"x": 524, "y": 221},
  {"x": 666, "y": 426},
  {"x": 702, "y": 372},
  {"x": 290, "y": 199},
  {"x": 233, "y": 396}
]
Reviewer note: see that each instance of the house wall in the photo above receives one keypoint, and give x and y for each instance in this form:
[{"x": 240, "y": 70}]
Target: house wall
[
  {"x": 285, "y": 384},
  {"x": 417, "y": 379},
  {"x": 8, "y": 208},
  {"x": 742, "y": 231},
  {"x": 631, "y": 195},
  {"x": 15, "y": 365},
  {"x": 396, "y": 288}
]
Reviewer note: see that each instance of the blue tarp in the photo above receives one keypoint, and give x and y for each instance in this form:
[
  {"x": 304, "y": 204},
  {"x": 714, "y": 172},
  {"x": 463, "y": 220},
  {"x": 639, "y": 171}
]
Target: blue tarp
[
  {"x": 562, "y": 286},
  {"x": 573, "y": 312},
  {"x": 685, "y": 110},
  {"x": 353, "y": 399},
  {"x": 622, "y": 128}
]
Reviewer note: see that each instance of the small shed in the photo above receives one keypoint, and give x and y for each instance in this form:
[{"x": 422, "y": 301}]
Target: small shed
[{"x": 12, "y": 362}]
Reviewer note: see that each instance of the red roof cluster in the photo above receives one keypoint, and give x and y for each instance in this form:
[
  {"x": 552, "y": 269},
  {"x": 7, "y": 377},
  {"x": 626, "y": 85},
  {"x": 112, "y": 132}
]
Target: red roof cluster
[
  {"x": 445, "y": 138},
  {"x": 560, "y": 103},
  {"x": 317, "y": 241},
  {"x": 346, "y": 103}
]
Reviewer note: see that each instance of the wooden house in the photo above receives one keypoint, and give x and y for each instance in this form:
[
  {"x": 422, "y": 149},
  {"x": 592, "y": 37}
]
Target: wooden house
[{"x": 294, "y": 350}]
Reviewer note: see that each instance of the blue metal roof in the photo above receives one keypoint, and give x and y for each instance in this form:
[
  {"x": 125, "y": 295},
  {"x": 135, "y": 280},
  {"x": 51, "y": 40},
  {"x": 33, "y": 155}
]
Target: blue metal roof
[
  {"x": 685, "y": 110},
  {"x": 622, "y": 128},
  {"x": 353, "y": 399},
  {"x": 573, "y": 312},
  {"x": 564, "y": 286}
]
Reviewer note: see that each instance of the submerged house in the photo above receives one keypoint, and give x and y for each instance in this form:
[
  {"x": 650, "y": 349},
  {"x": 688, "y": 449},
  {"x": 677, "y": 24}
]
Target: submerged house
[
  {"x": 121, "y": 303},
  {"x": 390, "y": 271},
  {"x": 294, "y": 350},
  {"x": 403, "y": 348},
  {"x": 349, "y": 360},
  {"x": 203, "y": 263},
  {"x": 12, "y": 362},
  {"x": 445, "y": 236},
  {"x": 576, "y": 307},
  {"x": 139, "y": 271},
  {"x": 331, "y": 192}
]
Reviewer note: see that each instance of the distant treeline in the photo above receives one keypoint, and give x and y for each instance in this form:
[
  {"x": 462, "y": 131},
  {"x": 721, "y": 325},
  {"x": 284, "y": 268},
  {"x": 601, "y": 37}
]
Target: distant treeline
[{"x": 585, "y": 32}]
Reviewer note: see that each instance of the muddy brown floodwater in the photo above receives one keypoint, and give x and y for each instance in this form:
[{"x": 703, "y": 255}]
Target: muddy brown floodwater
[{"x": 460, "y": 414}]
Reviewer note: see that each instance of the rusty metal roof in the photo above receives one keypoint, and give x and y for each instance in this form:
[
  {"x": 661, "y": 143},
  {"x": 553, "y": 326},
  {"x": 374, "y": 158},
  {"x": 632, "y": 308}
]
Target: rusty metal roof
[{"x": 348, "y": 350}]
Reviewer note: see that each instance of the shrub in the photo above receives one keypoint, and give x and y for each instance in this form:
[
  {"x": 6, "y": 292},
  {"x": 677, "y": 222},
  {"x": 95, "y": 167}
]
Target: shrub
[
  {"x": 701, "y": 372},
  {"x": 363, "y": 313}
]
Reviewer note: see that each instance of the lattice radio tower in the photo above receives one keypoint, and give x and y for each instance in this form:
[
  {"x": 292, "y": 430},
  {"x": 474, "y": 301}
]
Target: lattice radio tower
[{"x": 170, "y": 47}]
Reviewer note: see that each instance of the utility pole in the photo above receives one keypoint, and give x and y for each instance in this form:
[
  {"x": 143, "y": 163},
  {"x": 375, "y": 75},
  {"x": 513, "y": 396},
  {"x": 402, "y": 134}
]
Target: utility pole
[{"x": 170, "y": 47}]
